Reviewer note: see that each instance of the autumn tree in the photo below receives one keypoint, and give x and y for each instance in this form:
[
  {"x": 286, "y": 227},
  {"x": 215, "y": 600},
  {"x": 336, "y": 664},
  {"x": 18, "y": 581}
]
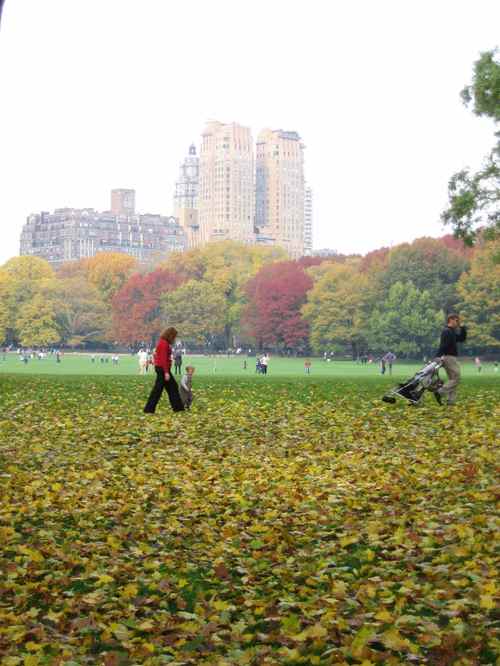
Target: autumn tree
[
  {"x": 227, "y": 265},
  {"x": 479, "y": 291},
  {"x": 336, "y": 307},
  {"x": 136, "y": 306},
  {"x": 5, "y": 312},
  {"x": 24, "y": 278},
  {"x": 80, "y": 312},
  {"x": 474, "y": 198},
  {"x": 108, "y": 272},
  {"x": 275, "y": 296},
  {"x": 36, "y": 324},
  {"x": 194, "y": 309},
  {"x": 406, "y": 322}
]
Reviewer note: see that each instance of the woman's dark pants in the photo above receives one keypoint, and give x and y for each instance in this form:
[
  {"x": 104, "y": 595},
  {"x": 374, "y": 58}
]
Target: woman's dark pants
[{"x": 170, "y": 387}]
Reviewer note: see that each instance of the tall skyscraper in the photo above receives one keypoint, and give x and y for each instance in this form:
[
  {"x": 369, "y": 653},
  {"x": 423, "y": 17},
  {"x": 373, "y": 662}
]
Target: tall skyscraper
[
  {"x": 280, "y": 189},
  {"x": 186, "y": 197},
  {"x": 226, "y": 200},
  {"x": 123, "y": 202},
  {"x": 308, "y": 220}
]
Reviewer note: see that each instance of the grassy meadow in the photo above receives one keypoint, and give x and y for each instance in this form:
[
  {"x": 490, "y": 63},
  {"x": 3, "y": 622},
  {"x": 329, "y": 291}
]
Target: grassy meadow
[{"x": 286, "y": 519}]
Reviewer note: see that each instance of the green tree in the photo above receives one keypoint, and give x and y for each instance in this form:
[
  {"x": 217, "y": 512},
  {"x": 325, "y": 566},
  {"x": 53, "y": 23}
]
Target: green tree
[
  {"x": 195, "y": 310},
  {"x": 430, "y": 266},
  {"x": 474, "y": 198},
  {"x": 406, "y": 322},
  {"x": 336, "y": 307},
  {"x": 36, "y": 324},
  {"x": 479, "y": 290}
]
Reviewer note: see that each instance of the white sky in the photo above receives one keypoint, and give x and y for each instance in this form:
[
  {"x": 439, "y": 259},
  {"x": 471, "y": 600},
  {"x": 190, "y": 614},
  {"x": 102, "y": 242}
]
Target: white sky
[{"x": 96, "y": 94}]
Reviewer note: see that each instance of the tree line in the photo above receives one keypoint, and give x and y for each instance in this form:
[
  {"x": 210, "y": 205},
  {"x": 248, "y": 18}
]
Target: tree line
[{"x": 228, "y": 295}]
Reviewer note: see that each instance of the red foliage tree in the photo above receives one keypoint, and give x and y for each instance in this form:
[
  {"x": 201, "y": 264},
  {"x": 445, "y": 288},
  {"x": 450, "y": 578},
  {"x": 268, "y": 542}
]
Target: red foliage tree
[
  {"x": 275, "y": 297},
  {"x": 136, "y": 306}
]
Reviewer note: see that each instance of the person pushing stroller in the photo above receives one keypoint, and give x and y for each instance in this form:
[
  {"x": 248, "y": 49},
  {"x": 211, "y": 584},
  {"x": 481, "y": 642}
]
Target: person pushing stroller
[{"x": 453, "y": 332}]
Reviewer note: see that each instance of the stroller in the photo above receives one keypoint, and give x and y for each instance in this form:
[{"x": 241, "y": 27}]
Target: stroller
[{"x": 426, "y": 379}]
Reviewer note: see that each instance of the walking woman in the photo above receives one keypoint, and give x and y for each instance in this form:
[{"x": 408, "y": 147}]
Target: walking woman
[{"x": 164, "y": 380}]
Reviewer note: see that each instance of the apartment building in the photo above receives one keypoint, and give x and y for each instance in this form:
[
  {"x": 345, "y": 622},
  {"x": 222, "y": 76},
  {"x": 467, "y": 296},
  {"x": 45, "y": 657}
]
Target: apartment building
[
  {"x": 280, "y": 189},
  {"x": 226, "y": 196},
  {"x": 69, "y": 234}
]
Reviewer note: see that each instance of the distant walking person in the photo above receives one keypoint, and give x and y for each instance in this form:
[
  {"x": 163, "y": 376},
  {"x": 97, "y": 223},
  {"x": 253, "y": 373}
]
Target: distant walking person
[
  {"x": 479, "y": 366},
  {"x": 452, "y": 334},
  {"x": 164, "y": 380}
]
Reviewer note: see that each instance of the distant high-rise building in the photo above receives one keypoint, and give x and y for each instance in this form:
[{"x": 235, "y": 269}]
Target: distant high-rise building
[
  {"x": 69, "y": 234},
  {"x": 308, "y": 220},
  {"x": 186, "y": 197},
  {"x": 226, "y": 199},
  {"x": 123, "y": 202},
  {"x": 280, "y": 189}
]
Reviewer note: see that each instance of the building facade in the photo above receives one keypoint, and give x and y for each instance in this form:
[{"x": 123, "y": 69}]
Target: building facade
[
  {"x": 123, "y": 202},
  {"x": 186, "y": 197},
  {"x": 308, "y": 221},
  {"x": 226, "y": 198},
  {"x": 69, "y": 234},
  {"x": 279, "y": 192},
  {"x": 186, "y": 187}
]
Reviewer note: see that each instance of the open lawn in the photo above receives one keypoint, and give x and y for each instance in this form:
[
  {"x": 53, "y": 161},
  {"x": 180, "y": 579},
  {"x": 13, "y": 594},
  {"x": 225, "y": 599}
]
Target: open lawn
[
  {"x": 81, "y": 364},
  {"x": 284, "y": 520}
]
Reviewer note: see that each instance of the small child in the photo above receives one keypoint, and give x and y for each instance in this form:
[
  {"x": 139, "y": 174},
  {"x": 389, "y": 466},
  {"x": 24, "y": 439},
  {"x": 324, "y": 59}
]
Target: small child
[{"x": 186, "y": 387}]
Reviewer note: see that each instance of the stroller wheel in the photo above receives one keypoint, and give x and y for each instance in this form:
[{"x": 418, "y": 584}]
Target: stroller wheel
[{"x": 389, "y": 398}]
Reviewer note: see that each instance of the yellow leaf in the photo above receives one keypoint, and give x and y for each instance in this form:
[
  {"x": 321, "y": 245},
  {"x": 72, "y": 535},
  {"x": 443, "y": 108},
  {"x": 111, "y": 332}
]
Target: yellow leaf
[
  {"x": 33, "y": 647},
  {"x": 361, "y": 638},
  {"x": 393, "y": 640},
  {"x": 56, "y": 487},
  {"x": 384, "y": 616},
  {"x": 105, "y": 579},
  {"x": 129, "y": 591},
  {"x": 317, "y": 631},
  {"x": 53, "y": 616},
  {"x": 120, "y": 631},
  {"x": 113, "y": 542},
  {"x": 221, "y": 605},
  {"x": 31, "y": 660},
  {"x": 486, "y": 602},
  {"x": 147, "y": 625}
]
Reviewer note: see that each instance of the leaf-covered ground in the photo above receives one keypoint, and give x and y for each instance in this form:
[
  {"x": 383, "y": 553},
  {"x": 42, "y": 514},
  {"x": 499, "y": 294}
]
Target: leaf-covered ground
[{"x": 280, "y": 522}]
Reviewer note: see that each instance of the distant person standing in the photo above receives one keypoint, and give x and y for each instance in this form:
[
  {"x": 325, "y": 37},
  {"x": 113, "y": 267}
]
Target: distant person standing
[
  {"x": 264, "y": 362},
  {"x": 164, "y": 379},
  {"x": 178, "y": 362},
  {"x": 453, "y": 332},
  {"x": 307, "y": 366},
  {"x": 389, "y": 359},
  {"x": 142, "y": 357},
  {"x": 478, "y": 364}
]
